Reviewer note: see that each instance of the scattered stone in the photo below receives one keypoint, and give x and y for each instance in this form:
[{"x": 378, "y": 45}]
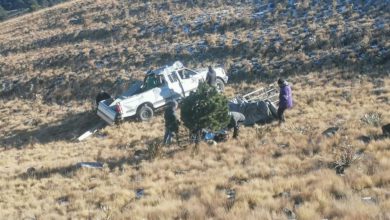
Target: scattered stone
[
  {"x": 277, "y": 154},
  {"x": 97, "y": 165},
  {"x": 330, "y": 131},
  {"x": 283, "y": 145},
  {"x": 231, "y": 194},
  {"x": 379, "y": 91},
  {"x": 76, "y": 21},
  {"x": 340, "y": 169},
  {"x": 386, "y": 130},
  {"x": 289, "y": 213},
  {"x": 369, "y": 199},
  {"x": 63, "y": 200},
  {"x": 298, "y": 201},
  {"x": 365, "y": 139},
  {"x": 139, "y": 193},
  {"x": 31, "y": 171},
  {"x": 282, "y": 194}
]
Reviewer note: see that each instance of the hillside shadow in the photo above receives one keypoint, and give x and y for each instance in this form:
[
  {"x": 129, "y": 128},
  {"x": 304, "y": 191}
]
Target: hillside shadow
[
  {"x": 63, "y": 88},
  {"x": 110, "y": 163},
  {"x": 66, "y": 129}
]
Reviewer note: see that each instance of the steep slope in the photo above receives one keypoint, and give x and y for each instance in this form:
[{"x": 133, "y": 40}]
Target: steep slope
[{"x": 335, "y": 54}]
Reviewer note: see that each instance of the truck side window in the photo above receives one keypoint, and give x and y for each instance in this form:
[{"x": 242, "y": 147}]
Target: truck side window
[
  {"x": 186, "y": 73},
  {"x": 173, "y": 77}
]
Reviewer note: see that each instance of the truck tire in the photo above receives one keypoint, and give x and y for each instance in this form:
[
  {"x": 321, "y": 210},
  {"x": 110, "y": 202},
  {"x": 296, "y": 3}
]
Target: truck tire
[
  {"x": 145, "y": 113},
  {"x": 220, "y": 85}
]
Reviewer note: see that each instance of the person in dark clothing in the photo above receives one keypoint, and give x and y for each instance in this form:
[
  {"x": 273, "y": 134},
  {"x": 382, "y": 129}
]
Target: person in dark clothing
[
  {"x": 236, "y": 118},
  {"x": 211, "y": 77},
  {"x": 171, "y": 122},
  {"x": 285, "y": 99},
  {"x": 102, "y": 96}
]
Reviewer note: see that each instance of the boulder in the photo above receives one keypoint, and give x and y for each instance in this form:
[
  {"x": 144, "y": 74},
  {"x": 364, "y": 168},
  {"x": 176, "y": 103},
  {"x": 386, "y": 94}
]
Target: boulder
[
  {"x": 386, "y": 130},
  {"x": 330, "y": 131}
]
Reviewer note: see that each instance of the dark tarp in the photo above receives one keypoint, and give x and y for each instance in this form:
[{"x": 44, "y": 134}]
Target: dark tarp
[{"x": 255, "y": 112}]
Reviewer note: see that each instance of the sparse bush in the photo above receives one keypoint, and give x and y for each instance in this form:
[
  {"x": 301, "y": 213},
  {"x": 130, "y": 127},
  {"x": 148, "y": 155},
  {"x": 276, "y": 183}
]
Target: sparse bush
[
  {"x": 154, "y": 147},
  {"x": 345, "y": 159},
  {"x": 372, "y": 118}
]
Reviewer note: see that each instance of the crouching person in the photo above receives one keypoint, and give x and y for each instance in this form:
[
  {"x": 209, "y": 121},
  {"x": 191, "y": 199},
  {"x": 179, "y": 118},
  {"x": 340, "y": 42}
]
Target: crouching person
[
  {"x": 171, "y": 122},
  {"x": 236, "y": 118}
]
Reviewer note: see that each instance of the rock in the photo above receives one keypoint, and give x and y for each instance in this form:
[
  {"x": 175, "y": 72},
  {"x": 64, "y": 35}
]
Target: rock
[
  {"x": 365, "y": 139},
  {"x": 290, "y": 214},
  {"x": 97, "y": 165},
  {"x": 283, "y": 145},
  {"x": 63, "y": 200},
  {"x": 31, "y": 171},
  {"x": 369, "y": 199},
  {"x": 330, "y": 131},
  {"x": 231, "y": 193},
  {"x": 340, "y": 169},
  {"x": 139, "y": 193},
  {"x": 282, "y": 194},
  {"x": 386, "y": 130},
  {"x": 76, "y": 21},
  {"x": 298, "y": 201}
]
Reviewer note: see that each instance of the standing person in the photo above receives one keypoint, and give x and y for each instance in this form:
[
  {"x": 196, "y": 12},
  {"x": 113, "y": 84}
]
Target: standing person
[
  {"x": 285, "y": 99},
  {"x": 211, "y": 77},
  {"x": 171, "y": 122},
  {"x": 236, "y": 118}
]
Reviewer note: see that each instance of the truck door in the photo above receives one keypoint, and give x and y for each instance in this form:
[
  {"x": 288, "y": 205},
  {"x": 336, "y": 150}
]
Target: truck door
[
  {"x": 175, "y": 86},
  {"x": 161, "y": 92}
]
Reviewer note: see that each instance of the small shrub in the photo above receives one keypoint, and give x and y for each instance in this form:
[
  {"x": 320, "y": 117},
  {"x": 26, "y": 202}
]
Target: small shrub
[{"x": 372, "y": 118}]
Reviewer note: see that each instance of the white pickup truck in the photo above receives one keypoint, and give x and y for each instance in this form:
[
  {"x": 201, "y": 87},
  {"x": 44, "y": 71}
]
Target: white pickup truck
[{"x": 159, "y": 87}]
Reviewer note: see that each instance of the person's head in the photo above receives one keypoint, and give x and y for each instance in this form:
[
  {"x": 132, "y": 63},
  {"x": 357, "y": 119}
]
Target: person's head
[
  {"x": 281, "y": 81},
  {"x": 210, "y": 68}
]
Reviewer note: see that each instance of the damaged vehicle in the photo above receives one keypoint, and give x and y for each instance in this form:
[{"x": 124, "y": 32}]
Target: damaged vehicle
[
  {"x": 258, "y": 106},
  {"x": 159, "y": 87}
]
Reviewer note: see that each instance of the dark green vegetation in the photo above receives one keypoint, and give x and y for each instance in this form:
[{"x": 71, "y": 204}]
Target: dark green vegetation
[{"x": 205, "y": 108}]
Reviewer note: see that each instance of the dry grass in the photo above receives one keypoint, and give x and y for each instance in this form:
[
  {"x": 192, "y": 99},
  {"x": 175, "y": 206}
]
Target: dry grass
[
  {"x": 56, "y": 68},
  {"x": 290, "y": 167}
]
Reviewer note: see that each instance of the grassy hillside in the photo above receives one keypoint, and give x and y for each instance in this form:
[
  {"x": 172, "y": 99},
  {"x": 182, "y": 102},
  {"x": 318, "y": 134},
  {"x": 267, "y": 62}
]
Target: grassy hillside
[{"x": 54, "y": 61}]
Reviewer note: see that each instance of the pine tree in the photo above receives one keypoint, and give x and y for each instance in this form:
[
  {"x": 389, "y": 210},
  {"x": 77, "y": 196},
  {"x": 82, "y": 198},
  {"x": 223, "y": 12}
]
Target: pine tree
[{"x": 205, "y": 108}]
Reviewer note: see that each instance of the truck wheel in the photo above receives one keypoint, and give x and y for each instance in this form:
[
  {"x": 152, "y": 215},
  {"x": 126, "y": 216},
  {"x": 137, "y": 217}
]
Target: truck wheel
[
  {"x": 145, "y": 113},
  {"x": 220, "y": 85}
]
